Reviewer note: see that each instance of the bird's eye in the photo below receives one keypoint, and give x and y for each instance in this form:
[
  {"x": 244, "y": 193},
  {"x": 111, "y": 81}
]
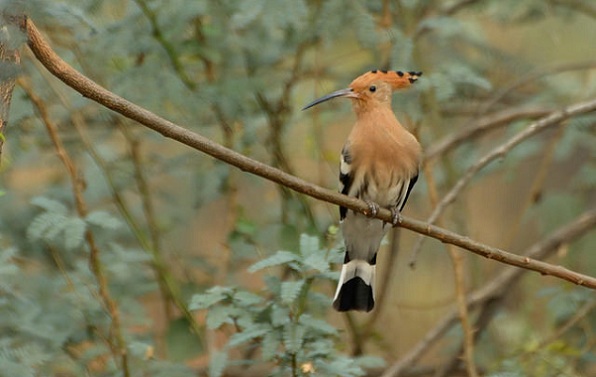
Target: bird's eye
[{"x": 372, "y": 88}]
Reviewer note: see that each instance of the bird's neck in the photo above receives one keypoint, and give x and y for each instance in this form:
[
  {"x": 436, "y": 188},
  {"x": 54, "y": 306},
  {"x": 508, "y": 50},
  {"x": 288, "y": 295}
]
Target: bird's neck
[
  {"x": 379, "y": 126},
  {"x": 381, "y": 115},
  {"x": 369, "y": 108}
]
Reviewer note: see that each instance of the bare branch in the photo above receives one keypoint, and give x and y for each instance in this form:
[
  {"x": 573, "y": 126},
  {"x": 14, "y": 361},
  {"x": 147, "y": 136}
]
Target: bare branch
[
  {"x": 90, "y": 89},
  {"x": 489, "y": 308},
  {"x": 456, "y": 7},
  {"x": 167, "y": 46},
  {"x": 534, "y": 128},
  {"x": 536, "y": 75},
  {"x": 9, "y": 63},
  {"x": 581, "y": 313},
  {"x": 497, "y": 287},
  {"x": 584, "y": 7},
  {"x": 445, "y": 11},
  {"x": 118, "y": 345},
  {"x": 483, "y": 125},
  {"x": 466, "y": 352},
  {"x": 463, "y": 312}
]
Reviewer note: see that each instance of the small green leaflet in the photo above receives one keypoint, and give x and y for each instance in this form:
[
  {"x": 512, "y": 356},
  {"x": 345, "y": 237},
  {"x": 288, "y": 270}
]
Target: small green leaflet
[{"x": 281, "y": 257}]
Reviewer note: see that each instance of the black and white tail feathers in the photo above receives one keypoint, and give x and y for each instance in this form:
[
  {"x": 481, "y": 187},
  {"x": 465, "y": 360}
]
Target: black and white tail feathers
[{"x": 355, "y": 286}]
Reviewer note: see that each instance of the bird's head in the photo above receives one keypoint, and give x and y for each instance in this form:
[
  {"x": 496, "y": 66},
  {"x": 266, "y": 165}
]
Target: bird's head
[{"x": 373, "y": 88}]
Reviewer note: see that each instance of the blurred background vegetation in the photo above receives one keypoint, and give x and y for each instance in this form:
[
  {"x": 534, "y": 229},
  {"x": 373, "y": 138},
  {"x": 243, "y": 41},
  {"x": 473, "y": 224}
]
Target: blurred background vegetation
[{"x": 216, "y": 272}]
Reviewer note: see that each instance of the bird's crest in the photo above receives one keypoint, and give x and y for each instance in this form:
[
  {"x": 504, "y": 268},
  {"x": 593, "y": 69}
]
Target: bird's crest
[
  {"x": 365, "y": 82},
  {"x": 397, "y": 79}
]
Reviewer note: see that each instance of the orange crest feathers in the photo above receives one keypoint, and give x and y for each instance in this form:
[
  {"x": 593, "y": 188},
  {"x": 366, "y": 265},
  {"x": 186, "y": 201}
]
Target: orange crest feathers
[
  {"x": 397, "y": 79},
  {"x": 363, "y": 83}
]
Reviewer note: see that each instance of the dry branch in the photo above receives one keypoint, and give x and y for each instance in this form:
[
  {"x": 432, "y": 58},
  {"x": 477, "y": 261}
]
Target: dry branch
[
  {"x": 532, "y": 76},
  {"x": 498, "y": 287},
  {"x": 117, "y": 345},
  {"x": 553, "y": 119},
  {"x": 9, "y": 63},
  {"x": 482, "y": 126},
  {"x": 91, "y": 90}
]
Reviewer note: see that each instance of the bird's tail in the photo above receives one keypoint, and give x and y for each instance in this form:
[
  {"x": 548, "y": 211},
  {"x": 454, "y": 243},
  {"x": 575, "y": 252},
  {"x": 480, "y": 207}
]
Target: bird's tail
[{"x": 355, "y": 288}]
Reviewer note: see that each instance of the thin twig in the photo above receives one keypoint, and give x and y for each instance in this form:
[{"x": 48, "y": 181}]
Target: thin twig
[
  {"x": 581, "y": 313},
  {"x": 460, "y": 287},
  {"x": 586, "y": 8},
  {"x": 456, "y": 7},
  {"x": 533, "y": 76},
  {"x": 442, "y": 12},
  {"x": 167, "y": 46},
  {"x": 167, "y": 283},
  {"x": 143, "y": 186},
  {"x": 149, "y": 215},
  {"x": 500, "y": 151},
  {"x": 90, "y": 89},
  {"x": 277, "y": 114},
  {"x": 488, "y": 310},
  {"x": 10, "y": 60},
  {"x": 166, "y": 280},
  {"x": 483, "y": 319},
  {"x": 534, "y": 194},
  {"x": 121, "y": 205},
  {"x": 480, "y": 128},
  {"x": 118, "y": 347},
  {"x": 462, "y": 309},
  {"x": 497, "y": 287}
]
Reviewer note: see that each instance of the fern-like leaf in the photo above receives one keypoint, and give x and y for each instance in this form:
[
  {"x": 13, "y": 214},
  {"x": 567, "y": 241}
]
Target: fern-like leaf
[
  {"x": 211, "y": 297},
  {"x": 276, "y": 259},
  {"x": 49, "y": 205},
  {"x": 74, "y": 231},
  {"x": 103, "y": 219},
  {"x": 290, "y": 291},
  {"x": 250, "y": 333},
  {"x": 293, "y": 337}
]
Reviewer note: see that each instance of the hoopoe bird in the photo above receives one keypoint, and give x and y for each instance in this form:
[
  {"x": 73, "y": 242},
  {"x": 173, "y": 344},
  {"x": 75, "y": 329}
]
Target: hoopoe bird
[{"x": 379, "y": 164}]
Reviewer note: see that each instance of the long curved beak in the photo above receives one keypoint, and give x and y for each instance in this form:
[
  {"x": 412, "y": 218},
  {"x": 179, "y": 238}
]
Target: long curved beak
[{"x": 348, "y": 92}]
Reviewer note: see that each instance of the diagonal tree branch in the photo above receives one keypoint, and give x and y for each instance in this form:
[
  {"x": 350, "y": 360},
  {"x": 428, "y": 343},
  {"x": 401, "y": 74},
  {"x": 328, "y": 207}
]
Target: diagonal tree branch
[
  {"x": 551, "y": 120},
  {"x": 482, "y": 126},
  {"x": 536, "y": 75},
  {"x": 90, "y": 89},
  {"x": 498, "y": 287}
]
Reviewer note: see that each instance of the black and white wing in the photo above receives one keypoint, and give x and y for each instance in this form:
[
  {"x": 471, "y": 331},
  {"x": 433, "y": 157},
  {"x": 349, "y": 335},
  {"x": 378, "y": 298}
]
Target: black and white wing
[{"x": 346, "y": 177}]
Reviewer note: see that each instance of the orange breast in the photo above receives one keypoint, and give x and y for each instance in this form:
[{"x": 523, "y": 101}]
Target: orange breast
[{"x": 380, "y": 145}]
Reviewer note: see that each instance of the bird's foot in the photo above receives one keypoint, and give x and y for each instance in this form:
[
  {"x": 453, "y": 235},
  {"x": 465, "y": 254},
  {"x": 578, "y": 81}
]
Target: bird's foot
[
  {"x": 373, "y": 209},
  {"x": 395, "y": 217}
]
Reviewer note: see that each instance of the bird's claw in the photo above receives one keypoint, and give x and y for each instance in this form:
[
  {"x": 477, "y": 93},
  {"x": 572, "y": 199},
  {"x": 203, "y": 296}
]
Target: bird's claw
[
  {"x": 395, "y": 217},
  {"x": 373, "y": 209}
]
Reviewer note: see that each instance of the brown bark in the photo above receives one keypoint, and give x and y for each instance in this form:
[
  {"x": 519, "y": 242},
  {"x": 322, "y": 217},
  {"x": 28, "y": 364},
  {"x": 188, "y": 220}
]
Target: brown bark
[{"x": 12, "y": 31}]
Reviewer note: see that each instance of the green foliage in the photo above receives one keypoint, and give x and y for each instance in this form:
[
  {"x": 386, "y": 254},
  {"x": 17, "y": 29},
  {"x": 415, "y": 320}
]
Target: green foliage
[
  {"x": 279, "y": 258},
  {"x": 534, "y": 354},
  {"x": 534, "y": 362},
  {"x": 169, "y": 222},
  {"x": 278, "y": 321},
  {"x": 22, "y": 361},
  {"x": 56, "y": 225}
]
